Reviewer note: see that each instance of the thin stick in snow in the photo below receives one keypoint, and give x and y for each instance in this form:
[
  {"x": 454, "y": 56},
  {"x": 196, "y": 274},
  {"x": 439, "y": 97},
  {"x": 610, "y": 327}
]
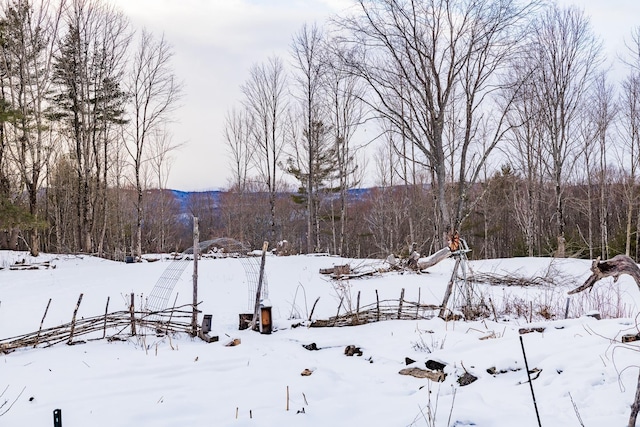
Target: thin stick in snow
[
  {"x": 106, "y": 311},
  {"x": 313, "y": 308},
  {"x": 12, "y": 403},
  {"x": 166, "y": 331},
  {"x": 635, "y": 407},
  {"x": 339, "y": 305},
  {"x": 526, "y": 366}
]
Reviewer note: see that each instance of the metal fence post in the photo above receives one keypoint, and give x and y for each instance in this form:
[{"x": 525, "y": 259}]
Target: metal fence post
[{"x": 57, "y": 418}]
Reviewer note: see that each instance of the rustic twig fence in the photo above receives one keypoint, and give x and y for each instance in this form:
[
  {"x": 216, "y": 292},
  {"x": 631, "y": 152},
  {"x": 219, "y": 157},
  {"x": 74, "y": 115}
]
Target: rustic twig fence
[
  {"x": 399, "y": 309},
  {"x": 118, "y": 324}
]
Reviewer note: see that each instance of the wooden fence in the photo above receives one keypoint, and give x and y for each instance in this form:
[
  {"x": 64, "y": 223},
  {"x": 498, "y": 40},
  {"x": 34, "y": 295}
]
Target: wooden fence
[
  {"x": 399, "y": 309},
  {"x": 111, "y": 326}
]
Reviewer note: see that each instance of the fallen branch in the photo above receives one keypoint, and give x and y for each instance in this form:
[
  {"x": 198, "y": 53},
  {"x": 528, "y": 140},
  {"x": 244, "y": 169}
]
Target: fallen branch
[
  {"x": 434, "y": 259},
  {"x": 12, "y": 403}
]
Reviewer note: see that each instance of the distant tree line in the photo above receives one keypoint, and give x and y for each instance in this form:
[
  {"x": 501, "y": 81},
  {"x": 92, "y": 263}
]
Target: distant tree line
[{"x": 495, "y": 118}]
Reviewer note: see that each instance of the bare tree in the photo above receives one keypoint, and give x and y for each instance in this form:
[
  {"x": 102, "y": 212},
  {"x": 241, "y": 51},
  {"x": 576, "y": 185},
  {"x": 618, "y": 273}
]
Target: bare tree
[
  {"x": 161, "y": 149},
  {"x": 601, "y": 113},
  {"x": 155, "y": 92},
  {"x": 630, "y": 130},
  {"x": 344, "y": 93},
  {"x": 630, "y": 149},
  {"x": 238, "y": 131},
  {"x": 566, "y": 55},
  {"x": 526, "y": 157},
  {"x": 314, "y": 154},
  {"x": 265, "y": 99},
  {"x": 421, "y": 59}
]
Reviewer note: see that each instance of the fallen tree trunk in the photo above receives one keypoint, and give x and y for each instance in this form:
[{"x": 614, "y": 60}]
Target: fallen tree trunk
[
  {"x": 441, "y": 255},
  {"x": 614, "y": 267}
]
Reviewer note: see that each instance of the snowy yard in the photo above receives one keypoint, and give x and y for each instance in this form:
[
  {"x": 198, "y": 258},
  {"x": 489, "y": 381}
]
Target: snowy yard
[{"x": 585, "y": 372}]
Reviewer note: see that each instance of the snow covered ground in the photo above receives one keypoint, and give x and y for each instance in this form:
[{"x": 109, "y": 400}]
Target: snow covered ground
[{"x": 586, "y": 372}]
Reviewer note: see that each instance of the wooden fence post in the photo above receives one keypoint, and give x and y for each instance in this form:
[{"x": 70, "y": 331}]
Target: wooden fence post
[
  {"x": 400, "y": 306},
  {"x": 73, "y": 320},
  {"x": 449, "y": 290},
  {"x": 196, "y": 244},
  {"x": 104, "y": 328},
  {"x": 133, "y": 315},
  {"x": 377, "y": 306},
  {"x": 41, "y": 322}
]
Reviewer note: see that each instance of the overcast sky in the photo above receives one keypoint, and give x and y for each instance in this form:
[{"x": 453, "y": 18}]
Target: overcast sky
[{"x": 216, "y": 42}]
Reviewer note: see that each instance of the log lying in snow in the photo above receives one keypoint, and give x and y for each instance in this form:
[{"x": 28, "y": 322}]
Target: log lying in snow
[
  {"x": 614, "y": 267},
  {"x": 337, "y": 270},
  {"x": 437, "y": 376},
  {"x": 442, "y": 254}
]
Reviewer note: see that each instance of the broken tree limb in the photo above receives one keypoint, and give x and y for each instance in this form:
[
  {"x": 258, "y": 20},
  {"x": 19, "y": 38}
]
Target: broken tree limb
[
  {"x": 441, "y": 255},
  {"x": 614, "y": 267}
]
